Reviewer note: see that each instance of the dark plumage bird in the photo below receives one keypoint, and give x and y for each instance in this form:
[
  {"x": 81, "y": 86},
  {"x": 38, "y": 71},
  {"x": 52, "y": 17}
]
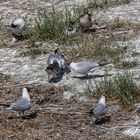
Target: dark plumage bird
[
  {"x": 86, "y": 20},
  {"x": 53, "y": 69}
]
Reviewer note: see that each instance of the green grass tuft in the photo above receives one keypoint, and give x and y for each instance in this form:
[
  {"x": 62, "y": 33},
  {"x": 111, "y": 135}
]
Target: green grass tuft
[
  {"x": 127, "y": 64},
  {"x": 51, "y": 25},
  {"x": 122, "y": 87}
]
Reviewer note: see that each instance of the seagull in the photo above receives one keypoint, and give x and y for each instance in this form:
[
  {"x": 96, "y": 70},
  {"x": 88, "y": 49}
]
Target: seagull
[
  {"x": 53, "y": 69},
  {"x": 21, "y": 104},
  {"x": 57, "y": 57},
  {"x": 83, "y": 67},
  {"x": 85, "y": 20},
  {"x": 71, "y": 30},
  {"x": 99, "y": 110},
  {"x": 18, "y": 26}
]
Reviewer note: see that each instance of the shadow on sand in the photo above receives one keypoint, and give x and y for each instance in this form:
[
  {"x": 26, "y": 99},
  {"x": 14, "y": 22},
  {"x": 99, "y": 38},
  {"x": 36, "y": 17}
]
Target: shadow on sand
[
  {"x": 91, "y": 76},
  {"x": 58, "y": 77},
  {"x": 102, "y": 120},
  {"x": 25, "y": 117}
]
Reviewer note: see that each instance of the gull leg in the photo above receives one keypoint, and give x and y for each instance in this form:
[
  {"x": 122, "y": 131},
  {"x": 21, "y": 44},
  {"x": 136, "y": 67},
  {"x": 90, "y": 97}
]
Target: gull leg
[
  {"x": 86, "y": 76},
  {"x": 23, "y": 113},
  {"x": 19, "y": 114},
  {"x": 48, "y": 77}
]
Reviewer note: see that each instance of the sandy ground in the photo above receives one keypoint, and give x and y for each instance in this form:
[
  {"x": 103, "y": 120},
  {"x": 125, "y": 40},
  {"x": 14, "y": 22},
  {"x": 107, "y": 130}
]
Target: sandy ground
[{"x": 51, "y": 116}]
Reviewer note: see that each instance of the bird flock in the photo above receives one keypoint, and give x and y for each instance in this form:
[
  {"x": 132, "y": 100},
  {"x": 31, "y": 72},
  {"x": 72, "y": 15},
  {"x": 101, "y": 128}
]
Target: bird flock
[{"x": 57, "y": 65}]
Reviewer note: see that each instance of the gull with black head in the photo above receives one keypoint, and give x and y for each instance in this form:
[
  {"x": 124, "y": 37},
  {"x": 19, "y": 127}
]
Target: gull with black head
[{"x": 18, "y": 26}]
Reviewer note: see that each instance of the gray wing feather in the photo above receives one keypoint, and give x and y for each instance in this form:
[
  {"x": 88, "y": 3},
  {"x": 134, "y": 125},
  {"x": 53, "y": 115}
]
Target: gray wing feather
[
  {"x": 21, "y": 105},
  {"x": 99, "y": 110},
  {"x": 87, "y": 65}
]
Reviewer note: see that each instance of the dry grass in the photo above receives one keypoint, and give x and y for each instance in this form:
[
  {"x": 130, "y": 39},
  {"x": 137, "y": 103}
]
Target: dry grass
[
  {"x": 104, "y": 49},
  {"x": 106, "y": 3},
  {"x": 127, "y": 64}
]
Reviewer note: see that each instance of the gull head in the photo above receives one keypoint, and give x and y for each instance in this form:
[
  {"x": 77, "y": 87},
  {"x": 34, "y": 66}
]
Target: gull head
[
  {"x": 102, "y": 100},
  {"x": 18, "y": 23},
  {"x": 73, "y": 65},
  {"x": 25, "y": 94}
]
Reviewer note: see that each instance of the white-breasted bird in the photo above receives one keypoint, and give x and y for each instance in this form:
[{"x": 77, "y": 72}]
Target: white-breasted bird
[
  {"x": 71, "y": 30},
  {"x": 22, "y": 104},
  {"x": 84, "y": 67},
  {"x": 57, "y": 57},
  {"x": 18, "y": 26},
  {"x": 99, "y": 110}
]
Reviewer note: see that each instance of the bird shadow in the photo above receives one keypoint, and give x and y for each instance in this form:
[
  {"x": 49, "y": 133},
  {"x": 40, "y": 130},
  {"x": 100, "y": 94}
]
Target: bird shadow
[
  {"x": 58, "y": 77},
  {"x": 25, "y": 117},
  {"x": 91, "y": 76},
  {"x": 88, "y": 31},
  {"x": 5, "y": 105},
  {"x": 20, "y": 37},
  {"x": 30, "y": 116},
  {"x": 102, "y": 120},
  {"x": 91, "y": 30}
]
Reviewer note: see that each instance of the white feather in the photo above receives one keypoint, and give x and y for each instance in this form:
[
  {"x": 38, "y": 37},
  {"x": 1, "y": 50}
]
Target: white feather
[
  {"x": 25, "y": 94},
  {"x": 20, "y": 23},
  {"x": 102, "y": 100}
]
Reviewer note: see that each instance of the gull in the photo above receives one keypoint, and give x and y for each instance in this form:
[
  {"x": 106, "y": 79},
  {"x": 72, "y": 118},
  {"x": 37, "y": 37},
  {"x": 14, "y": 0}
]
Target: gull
[
  {"x": 53, "y": 69},
  {"x": 57, "y": 57},
  {"x": 18, "y": 26},
  {"x": 22, "y": 104},
  {"x": 71, "y": 30},
  {"x": 99, "y": 110},
  {"x": 83, "y": 67}
]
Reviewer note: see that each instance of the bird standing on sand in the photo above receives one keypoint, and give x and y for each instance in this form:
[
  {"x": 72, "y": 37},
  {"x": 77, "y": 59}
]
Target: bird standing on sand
[
  {"x": 18, "y": 26},
  {"x": 99, "y": 110},
  {"x": 84, "y": 67},
  {"x": 22, "y": 104}
]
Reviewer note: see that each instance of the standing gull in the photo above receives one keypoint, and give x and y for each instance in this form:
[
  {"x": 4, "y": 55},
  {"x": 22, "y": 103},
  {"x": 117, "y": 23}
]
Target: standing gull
[
  {"x": 99, "y": 110},
  {"x": 18, "y": 26},
  {"x": 22, "y": 104},
  {"x": 83, "y": 67}
]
